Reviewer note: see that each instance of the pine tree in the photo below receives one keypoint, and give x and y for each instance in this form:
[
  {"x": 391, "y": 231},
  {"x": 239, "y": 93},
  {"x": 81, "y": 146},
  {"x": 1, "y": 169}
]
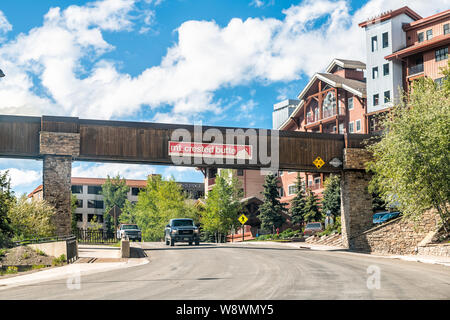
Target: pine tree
[
  {"x": 298, "y": 203},
  {"x": 312, "y": 210},
  {"x": 272, "y": 209},
  {"x": 331, "y": 200}
]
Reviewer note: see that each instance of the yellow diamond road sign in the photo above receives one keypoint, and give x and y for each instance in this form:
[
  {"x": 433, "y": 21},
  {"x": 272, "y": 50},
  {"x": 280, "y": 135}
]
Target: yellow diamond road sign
[
  {"x": 319, "y": 162},
  {"x": 243, "y": 219}
]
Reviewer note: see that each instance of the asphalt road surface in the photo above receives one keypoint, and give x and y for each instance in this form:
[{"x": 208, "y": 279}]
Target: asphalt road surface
[{"x": 249, "y": 271}]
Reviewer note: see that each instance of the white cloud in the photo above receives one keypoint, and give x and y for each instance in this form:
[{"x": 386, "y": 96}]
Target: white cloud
[
  {"x": 5, "y": 26},
  {"x": 129, "y": 171},
  {"x": 261, "y": 3},
  {"x": 207, "y": 57},
  {"x": 21, "y": 177}
]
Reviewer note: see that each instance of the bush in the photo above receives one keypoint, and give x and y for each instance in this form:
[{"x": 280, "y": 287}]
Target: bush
[
  {"x": 59, "y": 261},
  {"x": 41, "y": 253},
  {"x": 12, "y": 270},
  {"x": 37, "y": 266},
  {"x": 3, "y": 252}
]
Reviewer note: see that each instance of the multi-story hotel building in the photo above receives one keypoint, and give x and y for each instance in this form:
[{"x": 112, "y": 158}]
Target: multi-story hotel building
[
  {"x": 426, "y": 50},
  {"x": 90, "y": 202},
  {"x": 401, "y": 46},
  {"x": 332, "y": 102}
]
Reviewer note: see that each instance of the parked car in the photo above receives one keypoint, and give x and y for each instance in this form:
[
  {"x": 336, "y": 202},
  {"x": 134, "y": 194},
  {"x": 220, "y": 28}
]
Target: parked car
[
  {"x": 312, "y": 228},
  {"x": 181, "y": 230},
  {"x": 132, "y": 231},
  {"x": 381, "y": 217}
]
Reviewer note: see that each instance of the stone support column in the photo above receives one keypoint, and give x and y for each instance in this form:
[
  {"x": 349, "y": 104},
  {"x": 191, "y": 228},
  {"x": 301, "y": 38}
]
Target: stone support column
[
  {"x": 58, "y": 149},
  {"x": 356, "y": 201}
]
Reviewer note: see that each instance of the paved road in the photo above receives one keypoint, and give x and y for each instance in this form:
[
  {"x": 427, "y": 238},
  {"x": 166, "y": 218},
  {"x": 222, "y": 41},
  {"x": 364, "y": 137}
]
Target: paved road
[{"x": 248, "y": 271}]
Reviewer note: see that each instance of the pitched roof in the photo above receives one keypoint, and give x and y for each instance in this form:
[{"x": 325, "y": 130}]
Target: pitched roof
[
  {"x": 422, "y": 22},
  {"x": 389, "y": 15},
  {"x": 354, "y": 86},
  {"x": 437, "y": 41},
  {"x": 346, "y": 64}
]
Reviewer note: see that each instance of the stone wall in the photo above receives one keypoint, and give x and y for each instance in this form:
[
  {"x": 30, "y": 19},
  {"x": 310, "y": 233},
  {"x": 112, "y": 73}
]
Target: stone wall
[
  {"x": 57, "y": 171},
  {"x": 59, "y": 143},
  {"x": 356, "y": 205},
  {"x": 356, "y": 158},
  {"x": 399, "y": 236},
  {"x": 442, "y": 250}
]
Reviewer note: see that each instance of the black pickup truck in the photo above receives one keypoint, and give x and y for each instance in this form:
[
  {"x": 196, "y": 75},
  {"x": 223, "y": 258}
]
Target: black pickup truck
[{"x": 181, "y": 230}]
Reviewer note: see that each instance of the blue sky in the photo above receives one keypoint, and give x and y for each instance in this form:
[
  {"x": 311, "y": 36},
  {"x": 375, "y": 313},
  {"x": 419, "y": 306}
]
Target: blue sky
[{"x": 221, "y": 62}]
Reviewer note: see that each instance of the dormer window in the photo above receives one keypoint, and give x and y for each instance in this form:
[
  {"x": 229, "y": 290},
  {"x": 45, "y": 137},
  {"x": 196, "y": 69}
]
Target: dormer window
[
  {"x": 420, "y": 37},
  {"x": 374, "y": 44},
  {"x": 429, "y": 34}
]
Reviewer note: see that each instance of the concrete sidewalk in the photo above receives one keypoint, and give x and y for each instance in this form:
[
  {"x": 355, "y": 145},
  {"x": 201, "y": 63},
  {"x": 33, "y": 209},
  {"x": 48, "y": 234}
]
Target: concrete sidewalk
[
  {"x": 303, "y": 245},
  {"x": 98, "y": 251},
  {"x": 107, "y": 255}
]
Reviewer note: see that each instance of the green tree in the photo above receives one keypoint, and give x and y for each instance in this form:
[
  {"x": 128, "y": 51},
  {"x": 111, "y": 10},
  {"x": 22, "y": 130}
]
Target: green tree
[
  {"x": 271, "y": 210},
  {"x": 7, "y": 199},
  {"x": 298, "y": 203},
  {"x": 114, "y": 192},
  {"x": 94, "y": 224},
  {"x": 411, "y": 163},
  {"x": 127, "y": 215},
  {"x": 73, "y": 206},
  {"x": 312, "y": 209},
  {"x": 223, "y": 205},
  {"x": 160, "y": 201},
  {"x": 331, "y": 200},
  {"x": 31, "y": 219}
]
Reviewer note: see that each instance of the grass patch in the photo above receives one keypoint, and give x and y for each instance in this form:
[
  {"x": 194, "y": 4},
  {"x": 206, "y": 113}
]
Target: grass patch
[
  {"x": 59, "y": 261},
  {"x": 41, "y": 253},
  {"x": 37, "y": 266}
]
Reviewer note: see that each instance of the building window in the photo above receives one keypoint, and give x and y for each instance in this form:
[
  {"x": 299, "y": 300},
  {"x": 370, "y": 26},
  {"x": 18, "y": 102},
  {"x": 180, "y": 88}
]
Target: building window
[
  {"x": 374, "y": 44},
  {"x": 429, "y": 34},
  {"x": 358, "y": 125},
  {"x": 374, "y": 72},
  {"x": 386, "y": 69},
  {"x": 77, "y": 189},
  {"x": 376, "y": 99},
  {"x": 292, "y": 189},
  {"x": 442, "y": 54},
  {"x": 420, "y": 37},
  {"x": 385, "y": 40},
  {"x": 446, "y": 28},
  {"x": 135, "y": 191},
  {"x": 79, "y": 203},
  {"x": 99, "y": 218},
  {"x": 96, "y": 204},
  {"x": 317, "y": 181},
  {"x": 94, "y": 189},
  {"x": 310, "y": 183},
  {"x": 350, "y": 127},
  {"x": 281, "y": 192},
  {"x": 341, "y": 128},
  {"x": 240, "y": 172},
  {"x": 387, "y": 96},
  {"x": 440, "y": 81},
  {"x": 79, "y": 217},
  {"x": 334, "y": 129},
  {"x": 350, "y": 103}
]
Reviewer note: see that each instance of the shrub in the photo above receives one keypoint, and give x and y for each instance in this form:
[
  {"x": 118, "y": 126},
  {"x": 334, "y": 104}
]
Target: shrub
[
  {"x": 12, "y": 270},
  {"x": 59, "y": 260},
  {"x": 3, "y": 252},
  {"x": 25, "y": 255},
  {"x": 37, "y": 266},
  {"x": 41, "y": 253}
]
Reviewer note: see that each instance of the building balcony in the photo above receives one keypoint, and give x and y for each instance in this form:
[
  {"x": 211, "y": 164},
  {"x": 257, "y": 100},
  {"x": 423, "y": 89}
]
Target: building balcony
[{"x": 415, "y": 70}]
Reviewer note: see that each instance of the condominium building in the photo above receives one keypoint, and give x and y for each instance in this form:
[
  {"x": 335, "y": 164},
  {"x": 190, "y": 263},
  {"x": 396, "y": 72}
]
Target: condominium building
[
  {"x": 332, "y": 102},
  {"x": 426, "y": 49},
  {"x": 90, "y": 202}
]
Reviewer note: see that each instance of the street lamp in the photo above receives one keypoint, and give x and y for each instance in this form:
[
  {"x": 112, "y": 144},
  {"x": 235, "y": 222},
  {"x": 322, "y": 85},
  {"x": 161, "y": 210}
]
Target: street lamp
[{"x": 1, "y": 74}]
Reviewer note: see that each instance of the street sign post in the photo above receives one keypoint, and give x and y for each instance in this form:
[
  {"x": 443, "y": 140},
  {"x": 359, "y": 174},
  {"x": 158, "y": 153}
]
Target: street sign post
[
  {"x": 318, "y": 162},
  {"x": 243, "y": 219}
]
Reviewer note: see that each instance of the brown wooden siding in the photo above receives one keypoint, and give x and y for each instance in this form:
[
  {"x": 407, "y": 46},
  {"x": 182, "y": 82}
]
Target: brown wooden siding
[{"x": 135, "y": 142}]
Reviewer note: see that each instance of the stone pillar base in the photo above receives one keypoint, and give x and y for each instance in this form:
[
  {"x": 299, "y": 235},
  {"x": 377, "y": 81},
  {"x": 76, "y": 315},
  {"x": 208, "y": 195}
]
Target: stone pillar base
[
  {"x": 356, "y": 205},
  {"x": 57, "y": 171}
]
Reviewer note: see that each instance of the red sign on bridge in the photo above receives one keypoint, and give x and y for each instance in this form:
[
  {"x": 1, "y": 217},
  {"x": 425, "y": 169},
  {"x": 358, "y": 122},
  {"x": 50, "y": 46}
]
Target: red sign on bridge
[{"x": 210, "y": 150}]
